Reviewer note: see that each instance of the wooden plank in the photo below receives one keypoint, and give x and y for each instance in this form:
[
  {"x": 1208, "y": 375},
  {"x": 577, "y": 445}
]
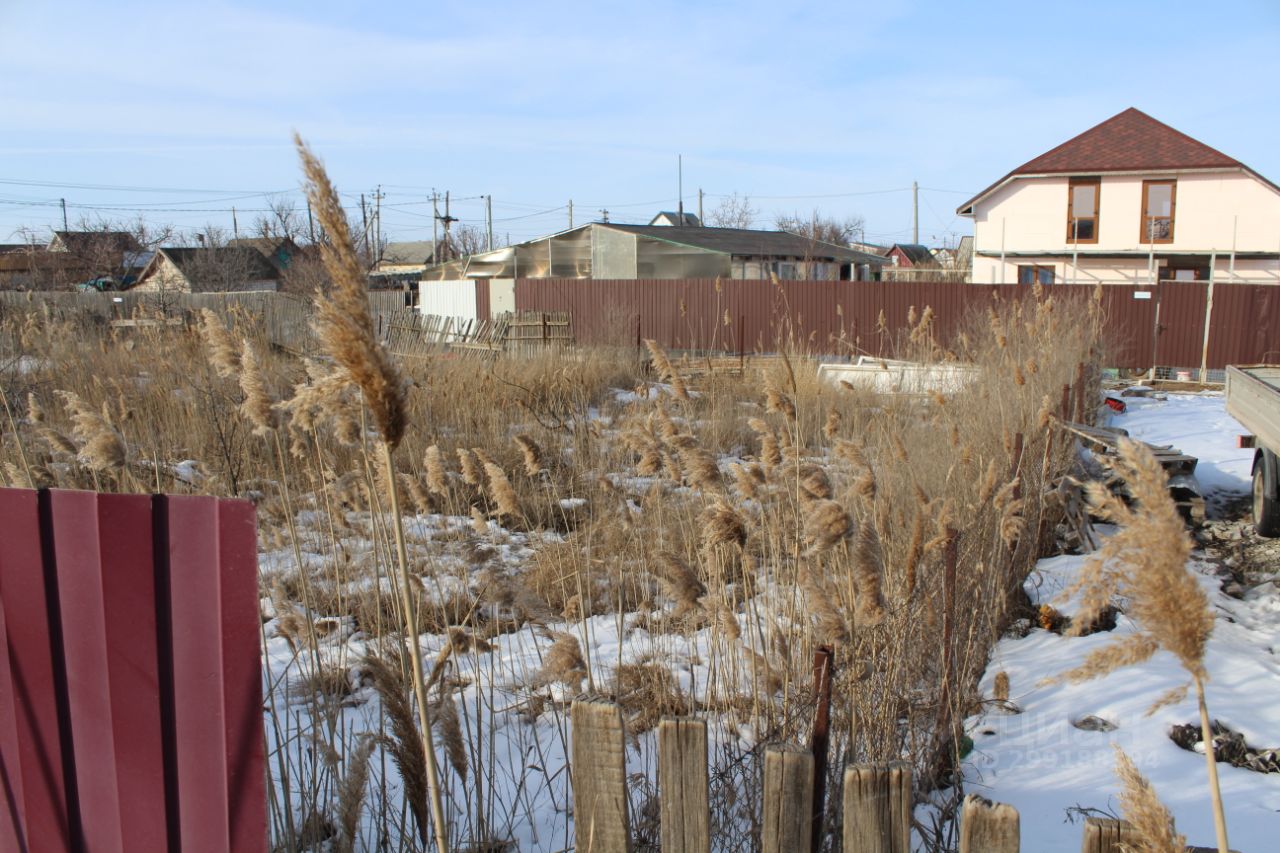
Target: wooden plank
[
  {"x": 34, "y": 647},
  {"x": 199, "y": 718},
  {"x": 877, "y": 808},
  {"x": 242, "y": 676},
  {"x": 683, "y": 783},
  {"x": 788, "y": 799},
  {"x": 77, "y": 561},
  {"x": 599, "y": 774},
  {"x": 987, "y": 827}
]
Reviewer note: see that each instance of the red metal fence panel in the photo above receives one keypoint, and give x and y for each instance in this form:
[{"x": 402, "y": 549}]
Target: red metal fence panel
[
  {"x": 132, "y": 718},
  {"x": 842, "y": 317}
]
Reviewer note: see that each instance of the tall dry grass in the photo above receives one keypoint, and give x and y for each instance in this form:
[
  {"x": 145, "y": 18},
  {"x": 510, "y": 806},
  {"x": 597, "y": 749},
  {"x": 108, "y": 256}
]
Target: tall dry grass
[{"x": 552, "y": 510}]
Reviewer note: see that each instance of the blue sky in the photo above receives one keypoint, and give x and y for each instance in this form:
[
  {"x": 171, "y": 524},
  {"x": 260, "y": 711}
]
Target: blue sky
[{"x": 180, "y": 111}]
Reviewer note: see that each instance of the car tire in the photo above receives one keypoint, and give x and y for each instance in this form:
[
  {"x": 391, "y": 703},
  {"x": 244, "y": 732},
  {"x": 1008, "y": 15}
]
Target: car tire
[{"x": 1266, "y": 510}]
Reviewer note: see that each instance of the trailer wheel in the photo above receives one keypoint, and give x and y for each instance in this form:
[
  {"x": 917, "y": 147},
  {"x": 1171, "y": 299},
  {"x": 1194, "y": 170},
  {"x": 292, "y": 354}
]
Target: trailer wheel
[{"x": 1266, "y": 509}]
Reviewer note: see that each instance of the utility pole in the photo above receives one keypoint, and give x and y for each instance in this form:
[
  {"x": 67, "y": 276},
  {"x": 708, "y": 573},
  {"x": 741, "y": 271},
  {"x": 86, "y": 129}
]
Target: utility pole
[
  {"x": 915, "y": 212},
  {"x": 364, "y": 222},
  {"x": 488, "y": 221},
  {"x": 680, "y": 184},
  {"x": 311, "y": 223},
  {"x": 604, "y": 214},
  {"x": 447, "y": 220},
  {"x": 64, "y": 214},
  {"x": 435, "y": 224},
  {"x": 377, "y": 224},
  {"x": 700, "y": 219},
  {"x": 235, "y": 225},
  {"x": 570, "y": 214}
]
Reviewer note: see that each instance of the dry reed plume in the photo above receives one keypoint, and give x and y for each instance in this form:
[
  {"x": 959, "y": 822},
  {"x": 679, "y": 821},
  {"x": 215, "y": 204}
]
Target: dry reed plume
[
  {"x": 1145, "y": 564},
  {"x": 1143, "y": 809}
]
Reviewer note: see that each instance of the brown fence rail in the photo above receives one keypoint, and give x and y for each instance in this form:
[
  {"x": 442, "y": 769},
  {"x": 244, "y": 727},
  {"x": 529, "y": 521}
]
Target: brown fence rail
[{"x": 1147, "y": 325}]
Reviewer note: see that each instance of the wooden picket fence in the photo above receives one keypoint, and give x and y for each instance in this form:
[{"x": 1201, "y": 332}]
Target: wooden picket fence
[
  {"x": 412, "y": 335},
  {"x": 876, "y": 807}
]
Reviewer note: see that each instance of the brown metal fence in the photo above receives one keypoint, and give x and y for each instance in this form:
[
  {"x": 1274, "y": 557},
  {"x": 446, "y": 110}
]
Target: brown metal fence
[
  {"x": 130, "y": 674},
  {"x": 1147, "y": 325}
]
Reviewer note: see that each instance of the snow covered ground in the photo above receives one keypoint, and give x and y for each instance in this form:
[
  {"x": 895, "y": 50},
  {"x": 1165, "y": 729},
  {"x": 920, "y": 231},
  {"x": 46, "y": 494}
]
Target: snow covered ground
[{"x": 1043, "y": 765}]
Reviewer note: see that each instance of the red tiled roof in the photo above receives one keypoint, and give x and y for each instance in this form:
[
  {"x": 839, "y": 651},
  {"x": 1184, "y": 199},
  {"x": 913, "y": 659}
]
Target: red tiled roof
[{"x": 1131, "y": 141}]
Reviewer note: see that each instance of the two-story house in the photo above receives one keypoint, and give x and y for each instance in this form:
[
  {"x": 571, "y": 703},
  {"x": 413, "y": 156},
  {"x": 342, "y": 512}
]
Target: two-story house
[{"x": 1130, "y": 200}]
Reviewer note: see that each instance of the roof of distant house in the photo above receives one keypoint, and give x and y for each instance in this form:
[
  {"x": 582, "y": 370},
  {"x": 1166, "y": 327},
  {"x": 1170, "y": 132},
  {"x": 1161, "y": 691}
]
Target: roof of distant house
[
  {"x": 1131, "y": 141},
  {"x": 913, "y": 252},
  {"x": 408, "y": 253},
  {"x": 686, "y": 219},
  {"x": 251, "y": 262},
  {"x": 743, "y": 241},
  {"x": 84, "y": 242}
]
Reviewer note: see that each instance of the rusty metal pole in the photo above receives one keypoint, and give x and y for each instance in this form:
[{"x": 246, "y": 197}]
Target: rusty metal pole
[{"x": 820, "y": 739}]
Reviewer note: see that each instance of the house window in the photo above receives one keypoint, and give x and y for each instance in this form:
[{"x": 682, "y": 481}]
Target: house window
[
  {"x": 1031, "y": 273},
  {"x": 1082, "y": 210},
  {"x": 1159, "y": 202}
]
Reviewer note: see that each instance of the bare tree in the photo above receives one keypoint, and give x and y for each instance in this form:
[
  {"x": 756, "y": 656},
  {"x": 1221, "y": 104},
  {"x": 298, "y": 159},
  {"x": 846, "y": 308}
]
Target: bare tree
[
  {"x": 733, "y": 211},
  {"x": 820, "y": 228},
  {"x": 467, "y": 240},
  {"x": 282, "y": 220}
]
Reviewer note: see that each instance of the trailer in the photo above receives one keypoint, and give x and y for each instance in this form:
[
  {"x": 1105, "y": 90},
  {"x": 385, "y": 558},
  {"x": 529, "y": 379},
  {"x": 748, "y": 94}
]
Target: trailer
[{"x": 1253, "y": 399}]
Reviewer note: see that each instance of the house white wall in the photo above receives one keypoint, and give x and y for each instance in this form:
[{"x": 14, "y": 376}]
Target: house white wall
[
  {"x": 1215, "y": 212},
  {"x": 455, "y": 299}
]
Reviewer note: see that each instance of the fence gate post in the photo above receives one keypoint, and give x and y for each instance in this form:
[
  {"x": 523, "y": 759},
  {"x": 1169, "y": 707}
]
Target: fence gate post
[
  {"x": 987, "y": 827},
  {"x": 599, "y": 774},
  {"x": 788, "y": 798},
  {"x": 877, "y": 808},
  {"x": 684, "y": 814}
]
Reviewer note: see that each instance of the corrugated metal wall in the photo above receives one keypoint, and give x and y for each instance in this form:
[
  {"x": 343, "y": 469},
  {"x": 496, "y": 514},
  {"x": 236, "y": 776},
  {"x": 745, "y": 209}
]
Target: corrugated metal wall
[
  {"x": 131, "y": 681},
  {"x": 839, "y": 317}
]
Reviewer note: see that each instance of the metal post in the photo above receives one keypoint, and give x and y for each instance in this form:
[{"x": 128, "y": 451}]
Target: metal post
[
  {"x": 1208, "y": 318},
  {"x": 488, "y": 218},
  {"x": 680, "y": 173},
  {"x": 915, "y": 212},
  {"x": 1002, "y": 250}
]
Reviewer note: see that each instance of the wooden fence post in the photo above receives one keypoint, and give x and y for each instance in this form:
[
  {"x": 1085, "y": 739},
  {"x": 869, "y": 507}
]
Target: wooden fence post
[
  {"x": 685, "y": 816},
  {"x": 788, "y": 798},
  {"x": 987, "y": 827},
  {"x": 877, "y": 808},
  {"x": 1104, "y": 835},
  {"x": 599, "y": 774}
]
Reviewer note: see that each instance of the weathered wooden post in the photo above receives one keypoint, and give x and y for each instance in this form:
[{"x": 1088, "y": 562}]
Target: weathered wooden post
[
  {"x": 820, "y": 740},
  {"x": 683, "y": 783},
  {"x": 788, "y": 798},
  {"x": 987, "y": 827},
  {"x": 599, "y": 773},
  {"x": 877, "y": 808},
  {"x": 1104, "y": 835}
]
